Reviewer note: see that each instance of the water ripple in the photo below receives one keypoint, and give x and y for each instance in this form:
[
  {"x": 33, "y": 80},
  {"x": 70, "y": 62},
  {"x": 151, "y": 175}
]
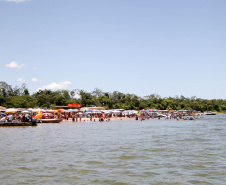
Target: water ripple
[{"x": 119, "y": 152}]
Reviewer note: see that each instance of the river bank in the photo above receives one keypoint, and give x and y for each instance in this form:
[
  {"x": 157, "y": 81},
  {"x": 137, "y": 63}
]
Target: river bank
[{"x": 95, "y": 119}]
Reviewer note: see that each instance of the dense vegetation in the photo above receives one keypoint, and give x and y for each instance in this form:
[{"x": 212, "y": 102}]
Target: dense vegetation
[{"x": 20, "y": 97}]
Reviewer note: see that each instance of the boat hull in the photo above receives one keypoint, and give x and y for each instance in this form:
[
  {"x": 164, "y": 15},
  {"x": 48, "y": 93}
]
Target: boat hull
[
  {"x": 50, "y": 120},
  {"x": 210, "y": 113},
  {"x": 10, "y": 124}
]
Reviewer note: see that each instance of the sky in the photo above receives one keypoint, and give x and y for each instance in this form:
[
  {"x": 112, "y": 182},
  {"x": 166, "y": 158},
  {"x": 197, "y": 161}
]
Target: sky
[{"x": 142, "y": 47}]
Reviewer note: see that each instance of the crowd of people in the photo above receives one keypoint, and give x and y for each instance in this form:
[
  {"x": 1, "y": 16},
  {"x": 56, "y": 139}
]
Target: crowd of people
[
  {"x": 93, "y": 116},
  {"x": 16, "y": 118}
]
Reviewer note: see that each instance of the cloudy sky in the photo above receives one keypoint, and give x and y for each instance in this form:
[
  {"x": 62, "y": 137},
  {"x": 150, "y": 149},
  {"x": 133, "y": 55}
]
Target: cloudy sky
[{"x": 148, "y": 46}]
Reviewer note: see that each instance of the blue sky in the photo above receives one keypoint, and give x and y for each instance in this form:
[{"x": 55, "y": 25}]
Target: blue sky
[{"x": 143, "y": 47}]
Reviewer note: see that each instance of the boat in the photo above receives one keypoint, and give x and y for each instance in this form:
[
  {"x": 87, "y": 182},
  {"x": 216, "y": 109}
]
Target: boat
[
  {"x": 10, "y": 124},
  {"x": 160, "y": 115},
  {"x": 50, "y": 120},
  {"x": 210, "y": 113}
]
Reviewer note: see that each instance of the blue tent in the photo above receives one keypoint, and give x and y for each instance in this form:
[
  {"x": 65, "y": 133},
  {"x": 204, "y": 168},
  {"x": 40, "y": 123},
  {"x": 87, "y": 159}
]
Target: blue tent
[{"x": 87, "y": 113}]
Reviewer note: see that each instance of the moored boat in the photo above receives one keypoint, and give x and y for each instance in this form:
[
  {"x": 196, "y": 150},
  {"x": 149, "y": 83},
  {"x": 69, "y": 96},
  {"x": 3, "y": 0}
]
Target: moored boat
[
  {"x": 50, "y": 120},
  {"x": 15, "y": 124},
  {"x": 210, "y": 113}
]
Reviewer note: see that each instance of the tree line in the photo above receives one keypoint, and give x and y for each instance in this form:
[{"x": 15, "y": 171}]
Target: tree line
[{"x": 21, "y": 98}]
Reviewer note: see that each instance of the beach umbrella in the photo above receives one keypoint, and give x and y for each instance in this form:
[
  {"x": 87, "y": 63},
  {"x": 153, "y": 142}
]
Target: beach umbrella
[
  {"x": 49, "y": 110},
  {"x": 21, "y": 110},
  {"x": 69, "y": 110},
  {"x": 37, "y": 110},
  {"x": 47, "y": 114},
  {"x": 61, "y": 110},
  {"x": 88, "y": 110},
  {"x": 12, "y": 110},
  {"x": 116, "y": 111},
  {"x": 38, "y": 116},
  {"x": 108, "y": 112},
  {"x": 26, "y": 111},
  {"x": 98, "y": 112},
  {"x": 74, "y": 110},
  {"x": 87, "y": 113}
]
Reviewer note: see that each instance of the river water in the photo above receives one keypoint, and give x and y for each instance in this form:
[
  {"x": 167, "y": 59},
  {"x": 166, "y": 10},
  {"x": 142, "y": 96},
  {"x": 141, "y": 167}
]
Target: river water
[{"x": 116, "y": 152}]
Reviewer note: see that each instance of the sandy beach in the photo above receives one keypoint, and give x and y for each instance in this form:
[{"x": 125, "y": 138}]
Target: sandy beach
[{"x": 96, "y": 119}]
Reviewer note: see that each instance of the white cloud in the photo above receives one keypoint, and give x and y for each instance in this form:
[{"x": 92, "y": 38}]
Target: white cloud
[
  {"x": 21, "y": 80},
  {"x": 14, "y": 64},
  {"x": 34, "y": 79},
  {"x": 56, "y": 86},
  {"x": 16, "y": 1},
  {"x": 35, "y": 68}
]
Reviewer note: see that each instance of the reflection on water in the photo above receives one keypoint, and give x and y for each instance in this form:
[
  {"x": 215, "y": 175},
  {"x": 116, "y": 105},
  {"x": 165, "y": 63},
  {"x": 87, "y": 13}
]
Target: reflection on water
[{"x": 116, "y": 152}]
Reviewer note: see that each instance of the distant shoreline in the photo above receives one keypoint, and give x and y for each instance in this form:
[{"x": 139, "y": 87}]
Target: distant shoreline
[{"x": 96, "y": 119}]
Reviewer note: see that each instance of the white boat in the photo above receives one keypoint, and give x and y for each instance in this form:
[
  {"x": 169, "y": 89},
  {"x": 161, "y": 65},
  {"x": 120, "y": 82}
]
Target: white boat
[
  {"x": 210, "y": 113},
  {"x": 161, "y": 115},
  {"x": 51, "y": 120}
]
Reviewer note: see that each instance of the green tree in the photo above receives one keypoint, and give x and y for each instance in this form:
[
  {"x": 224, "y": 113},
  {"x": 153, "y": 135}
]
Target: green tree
[{"x": 60, "y": 100}]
